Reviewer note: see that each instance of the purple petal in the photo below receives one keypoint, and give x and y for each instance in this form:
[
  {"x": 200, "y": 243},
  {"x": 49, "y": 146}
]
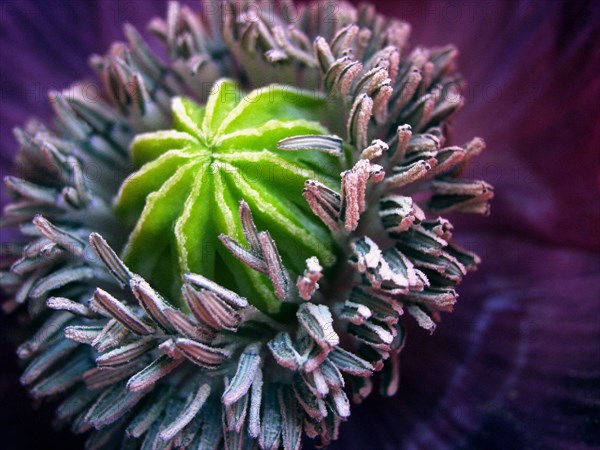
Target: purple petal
[{"x": 518, "y": 363}]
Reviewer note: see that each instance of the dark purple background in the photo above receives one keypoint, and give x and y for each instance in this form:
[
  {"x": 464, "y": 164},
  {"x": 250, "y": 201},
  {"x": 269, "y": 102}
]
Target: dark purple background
[{"x": 517, "y": 365}]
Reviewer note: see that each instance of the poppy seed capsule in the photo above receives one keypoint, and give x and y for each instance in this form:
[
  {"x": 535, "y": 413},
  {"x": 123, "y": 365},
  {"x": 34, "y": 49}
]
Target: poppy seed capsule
[{"x": 192, "y": 178}]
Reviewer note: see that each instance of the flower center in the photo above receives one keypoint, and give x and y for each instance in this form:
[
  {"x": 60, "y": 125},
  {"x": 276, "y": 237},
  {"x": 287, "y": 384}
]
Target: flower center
[{"x": 191, "y": 179}]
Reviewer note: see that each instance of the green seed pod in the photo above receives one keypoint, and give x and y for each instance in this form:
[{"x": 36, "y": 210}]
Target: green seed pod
[{"x": 192, "y": 178}]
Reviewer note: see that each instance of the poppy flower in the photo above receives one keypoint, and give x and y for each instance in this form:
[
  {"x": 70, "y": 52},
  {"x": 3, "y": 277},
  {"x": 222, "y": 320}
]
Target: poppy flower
[{"x": 516, "y": 365}]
